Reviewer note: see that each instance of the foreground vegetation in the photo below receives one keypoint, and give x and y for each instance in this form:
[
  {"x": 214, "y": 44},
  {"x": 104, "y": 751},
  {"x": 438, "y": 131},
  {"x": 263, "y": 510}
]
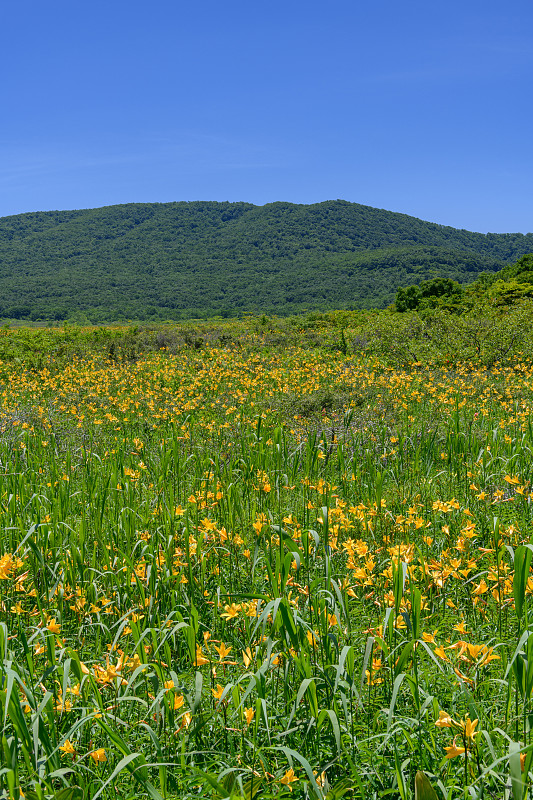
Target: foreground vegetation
[
  {"x": 183, "y": 260},
  {"x": 267, "y": 558}
]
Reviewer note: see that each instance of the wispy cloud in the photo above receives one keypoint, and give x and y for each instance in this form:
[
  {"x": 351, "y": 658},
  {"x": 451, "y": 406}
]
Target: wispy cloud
[{"x": 184, "y": 150}]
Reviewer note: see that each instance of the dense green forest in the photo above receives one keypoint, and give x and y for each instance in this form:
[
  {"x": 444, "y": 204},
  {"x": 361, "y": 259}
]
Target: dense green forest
[
  {"x": 202, "y": 259},
  {"x": 503, "y": 288}
]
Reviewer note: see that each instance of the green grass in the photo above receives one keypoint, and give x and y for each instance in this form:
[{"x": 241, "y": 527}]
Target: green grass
[{"x": 262, "y": 569}]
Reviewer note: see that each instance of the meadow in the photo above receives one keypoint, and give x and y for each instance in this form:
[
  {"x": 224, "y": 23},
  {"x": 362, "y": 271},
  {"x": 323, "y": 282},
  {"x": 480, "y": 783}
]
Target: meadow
[{"x": 253, "y": 560}]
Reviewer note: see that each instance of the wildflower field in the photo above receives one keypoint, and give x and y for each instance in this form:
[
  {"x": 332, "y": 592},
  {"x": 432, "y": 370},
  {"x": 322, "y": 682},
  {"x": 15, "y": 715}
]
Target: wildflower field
[{"x": 254, "y": 565}]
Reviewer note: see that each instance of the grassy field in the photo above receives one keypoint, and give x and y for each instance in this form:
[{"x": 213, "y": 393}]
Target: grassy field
[{"x": 246, "y": 561}]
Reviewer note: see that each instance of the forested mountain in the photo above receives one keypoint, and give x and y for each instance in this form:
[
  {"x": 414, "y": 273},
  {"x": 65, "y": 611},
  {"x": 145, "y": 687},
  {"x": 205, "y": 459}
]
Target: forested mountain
[{"x": 178, "y": 260}]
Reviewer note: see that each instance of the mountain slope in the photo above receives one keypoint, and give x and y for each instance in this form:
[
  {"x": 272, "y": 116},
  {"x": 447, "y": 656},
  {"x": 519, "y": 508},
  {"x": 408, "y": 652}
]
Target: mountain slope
[{"x": 175, "y": 260}]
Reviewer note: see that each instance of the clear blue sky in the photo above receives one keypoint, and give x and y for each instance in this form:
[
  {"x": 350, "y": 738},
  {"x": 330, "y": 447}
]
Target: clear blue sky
[{"x": 420, "y": 107}]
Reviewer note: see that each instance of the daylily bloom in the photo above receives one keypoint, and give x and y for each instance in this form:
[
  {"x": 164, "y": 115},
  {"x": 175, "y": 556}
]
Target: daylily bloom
[
  {"x": 247, "y": 657},
  {"x": 53, "y": 626},
  {"x": 289, "y": 778},
  {"x": 222, "y": 651},
  {"x": 200, "y": 658},
  {"x": 444, "y": 720},
  {"x": 218, "y": 692},
  {"x": 470, "y": 727},
  {"x": 67, "y": 748},
  {"x": 439, "y": 651},
  {"x": 453, "y": 750},
  {"x": 230, "y": 612}
]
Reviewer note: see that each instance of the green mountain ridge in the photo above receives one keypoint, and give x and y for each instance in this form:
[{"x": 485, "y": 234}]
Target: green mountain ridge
[{"x": 185, "y": 259}]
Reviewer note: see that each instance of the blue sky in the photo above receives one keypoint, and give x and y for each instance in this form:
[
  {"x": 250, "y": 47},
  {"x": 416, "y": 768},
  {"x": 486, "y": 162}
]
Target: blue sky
[{"x": 419, "y": 107}]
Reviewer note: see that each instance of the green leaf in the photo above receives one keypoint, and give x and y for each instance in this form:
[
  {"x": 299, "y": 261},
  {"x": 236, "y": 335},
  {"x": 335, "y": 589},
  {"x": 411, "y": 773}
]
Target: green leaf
[
  {"x": 340, "y": 789},
  {"x": 290, "y": 754},
  {"x": 219, "y": 788},
  {"x": 69, "y": 793},
  {"x": 138, "y": 770},
  {"x": 515, "y": 770},
  {"x": 288, "y": 622},
  {"x": 124, "y": 762},
  {"x": 416, "y": 612},
  {"x": 403, "y": 657},
  {"x": 252, "y": 788},
  {"x": 423, "y": 789},
  {"x": 330, "y": 714},
  {"x": 395, "y": 690},
  {"x": 522, "y": 563}
]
